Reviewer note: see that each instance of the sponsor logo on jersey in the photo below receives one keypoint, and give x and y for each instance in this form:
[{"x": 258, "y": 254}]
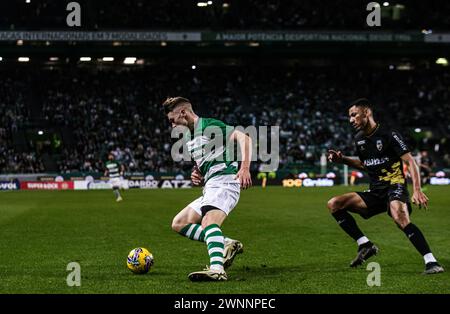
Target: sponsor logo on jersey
[
  {"x": 399, "y": 141},
  {"x": 360, "y": 144},
  {"x": 375, "y": 161}
]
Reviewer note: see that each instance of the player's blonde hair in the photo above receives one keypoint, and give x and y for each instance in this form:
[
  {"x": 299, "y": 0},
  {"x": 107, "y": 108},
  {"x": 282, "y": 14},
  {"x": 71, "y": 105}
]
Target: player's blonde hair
[{"x": 172, "y": 102}]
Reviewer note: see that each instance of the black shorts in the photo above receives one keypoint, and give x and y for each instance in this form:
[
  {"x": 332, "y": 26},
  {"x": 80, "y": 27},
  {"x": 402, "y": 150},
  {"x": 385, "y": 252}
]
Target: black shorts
[{"x": 378, "y": 200}]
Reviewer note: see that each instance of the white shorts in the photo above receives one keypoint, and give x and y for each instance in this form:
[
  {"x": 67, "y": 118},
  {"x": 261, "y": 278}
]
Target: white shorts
[
  {"x": 116, "y": 182},
  {"x": 221, "y": 192}
]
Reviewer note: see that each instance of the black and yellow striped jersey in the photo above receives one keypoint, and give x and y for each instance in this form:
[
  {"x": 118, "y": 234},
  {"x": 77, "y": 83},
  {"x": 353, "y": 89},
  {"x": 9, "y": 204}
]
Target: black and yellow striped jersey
[{"x": 380, "y": 153}]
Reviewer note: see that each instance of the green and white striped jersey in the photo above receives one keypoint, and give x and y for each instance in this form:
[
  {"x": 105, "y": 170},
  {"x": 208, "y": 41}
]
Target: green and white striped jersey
[
  {"x": 208, "y": 148},
  {"x": 113, "y": 169}
]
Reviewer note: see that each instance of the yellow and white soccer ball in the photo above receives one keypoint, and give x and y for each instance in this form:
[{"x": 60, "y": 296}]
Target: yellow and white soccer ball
[{"x": 140, "y": 260}]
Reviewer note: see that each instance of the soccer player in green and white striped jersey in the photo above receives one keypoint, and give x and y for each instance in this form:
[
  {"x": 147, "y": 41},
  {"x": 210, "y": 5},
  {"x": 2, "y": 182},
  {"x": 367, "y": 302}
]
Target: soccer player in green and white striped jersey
[
  {"x": 202, "y": 219},
  {"x": 115, "y": 170}
]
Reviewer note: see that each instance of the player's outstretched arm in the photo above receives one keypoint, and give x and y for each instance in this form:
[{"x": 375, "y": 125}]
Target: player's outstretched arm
[
  {"x": 245, "y": 145},
  {"x": 337, "y": 157},
  {"x": 418, "y": 197}
]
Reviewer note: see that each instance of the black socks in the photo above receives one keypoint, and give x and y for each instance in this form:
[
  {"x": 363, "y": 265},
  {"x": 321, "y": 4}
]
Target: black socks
[
  {"x": 417, "y": 239},
  {"x": 348, "y": 224}
]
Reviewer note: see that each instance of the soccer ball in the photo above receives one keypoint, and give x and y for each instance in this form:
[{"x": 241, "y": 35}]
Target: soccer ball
[{"x": 140, "y": 260}]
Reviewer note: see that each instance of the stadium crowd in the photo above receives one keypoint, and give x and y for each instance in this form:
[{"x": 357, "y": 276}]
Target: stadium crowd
[
  {"x": 224, "y": 14},
  {"x": 13, "y": 117},
  {"x": 120, "y": 110}
]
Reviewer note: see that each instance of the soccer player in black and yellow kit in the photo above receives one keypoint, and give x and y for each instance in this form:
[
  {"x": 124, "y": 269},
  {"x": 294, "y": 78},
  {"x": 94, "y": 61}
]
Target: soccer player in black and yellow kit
[{"x": 381, "y": 153}]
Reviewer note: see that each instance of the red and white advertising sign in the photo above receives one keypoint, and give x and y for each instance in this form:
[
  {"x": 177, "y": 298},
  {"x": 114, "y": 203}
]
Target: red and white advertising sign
[{"x": 38, "y": 185}]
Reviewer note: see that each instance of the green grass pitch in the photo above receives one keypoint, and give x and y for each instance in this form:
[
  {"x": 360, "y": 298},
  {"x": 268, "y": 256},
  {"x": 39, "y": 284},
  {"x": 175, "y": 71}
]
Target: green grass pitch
[{"x": 292, "y": 244}]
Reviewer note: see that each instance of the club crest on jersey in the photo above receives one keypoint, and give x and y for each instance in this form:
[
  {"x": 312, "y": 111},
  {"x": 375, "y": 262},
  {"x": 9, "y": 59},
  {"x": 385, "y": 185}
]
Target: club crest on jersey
[{"x": 379, "y": 145}]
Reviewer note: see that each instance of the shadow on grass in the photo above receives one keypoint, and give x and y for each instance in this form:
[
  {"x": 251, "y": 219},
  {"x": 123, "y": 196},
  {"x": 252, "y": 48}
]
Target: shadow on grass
[{"x": 264, "y": 272}]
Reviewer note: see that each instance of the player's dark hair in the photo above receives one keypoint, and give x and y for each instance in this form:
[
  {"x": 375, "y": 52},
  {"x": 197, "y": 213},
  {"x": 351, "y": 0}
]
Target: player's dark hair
[
  {"x": 362, "y": 103},
  {"x": 172, "y": 102}
]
